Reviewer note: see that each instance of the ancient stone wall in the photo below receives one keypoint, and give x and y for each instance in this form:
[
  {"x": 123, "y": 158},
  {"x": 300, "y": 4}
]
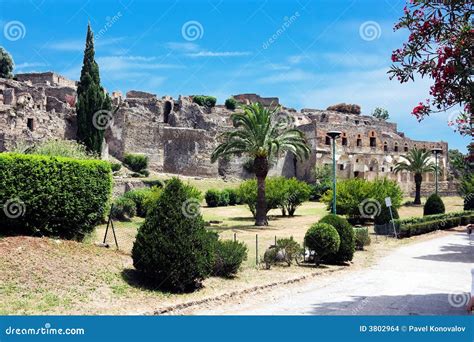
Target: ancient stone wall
[{"x": 47, "y": 78}]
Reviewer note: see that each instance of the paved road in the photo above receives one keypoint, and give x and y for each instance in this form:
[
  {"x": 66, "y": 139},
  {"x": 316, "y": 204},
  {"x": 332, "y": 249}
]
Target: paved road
[{"x": 423, "y": 278}]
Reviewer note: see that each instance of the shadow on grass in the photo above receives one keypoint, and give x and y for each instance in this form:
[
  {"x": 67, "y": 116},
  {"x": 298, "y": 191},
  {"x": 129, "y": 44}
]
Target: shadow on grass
[{"x": 137, "y": 280}]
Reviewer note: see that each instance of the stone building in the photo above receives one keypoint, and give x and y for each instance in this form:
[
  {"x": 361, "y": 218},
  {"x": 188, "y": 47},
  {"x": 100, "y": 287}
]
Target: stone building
[{"x": 179, "y": 136}]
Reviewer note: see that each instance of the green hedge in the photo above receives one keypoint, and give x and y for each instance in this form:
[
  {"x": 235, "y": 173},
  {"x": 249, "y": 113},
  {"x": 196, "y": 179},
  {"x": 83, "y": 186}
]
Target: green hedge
[
  {"x": 422, "y": 225},
  {"x": 203, "y": 100},
  {"x": 57, "y": 196}
]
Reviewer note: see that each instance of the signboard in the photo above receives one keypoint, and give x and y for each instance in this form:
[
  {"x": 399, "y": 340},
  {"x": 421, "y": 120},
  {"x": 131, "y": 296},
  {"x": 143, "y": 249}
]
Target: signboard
[{"x": 388, "y": 201}]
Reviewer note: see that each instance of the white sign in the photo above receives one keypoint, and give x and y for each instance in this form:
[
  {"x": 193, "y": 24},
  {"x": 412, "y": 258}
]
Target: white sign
[{"x": 388, "y": 201}]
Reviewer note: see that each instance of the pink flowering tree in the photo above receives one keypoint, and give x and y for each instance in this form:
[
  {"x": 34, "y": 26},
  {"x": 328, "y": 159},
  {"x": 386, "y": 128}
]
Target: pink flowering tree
[{"x": 440, "y": 47}]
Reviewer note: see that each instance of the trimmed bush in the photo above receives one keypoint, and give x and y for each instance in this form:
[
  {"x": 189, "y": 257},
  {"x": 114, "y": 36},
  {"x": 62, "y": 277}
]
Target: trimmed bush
[
  {"x": 231, "y": 103},
  {"x": 361, "y": 238},
  {"x": 172, "y": 248},
  {"x": 206, "y": 101},
  {"x": 153, "y": 183},
  {"x": 115, "y": 167},
  {"x": 151, "y": 199},
  {"x": 212, "y": 197},
  {"x": 346, "y": 234},
  {"x": 229, "y": 255},
  {"x": 233, "y": 197},
  {"x": 421, "y": 225},
  {"x": 290, "y": 249},
  {"x": 123, "y": 209},
  {"x": 224, "y": 198},
  {"x": 136, "y": 162},
  {"x": 323, "y": 239},
  {"x": 57, "y": 196},
  {"x": 138, "y": 196},
  {"x": 434, "y": 205}
]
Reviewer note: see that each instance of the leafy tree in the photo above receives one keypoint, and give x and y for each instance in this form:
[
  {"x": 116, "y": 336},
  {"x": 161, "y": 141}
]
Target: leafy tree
[
  {"x": 380, "y": 113},
  {"x": 439, "y": 47},
  {"x": 418, "y": 162},
  {"x": 259, "y": 134},
  {"x": 6, "y": 64},
  {"x": 458, "y": 163},
  {"x": 93, "y": 105}
]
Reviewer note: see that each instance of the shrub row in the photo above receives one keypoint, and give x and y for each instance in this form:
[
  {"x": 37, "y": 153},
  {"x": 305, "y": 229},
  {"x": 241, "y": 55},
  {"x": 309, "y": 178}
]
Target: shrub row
[
  {"x": 287, "y": 194},
  {"x": 222, "y": 198},
  {"x": 53, "y": 196},
  {"x": 433, "y": 222}
]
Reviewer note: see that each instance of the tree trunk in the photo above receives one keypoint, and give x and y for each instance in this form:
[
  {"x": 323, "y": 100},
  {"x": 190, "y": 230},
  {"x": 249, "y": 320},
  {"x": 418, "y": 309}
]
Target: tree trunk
[
  {"x": 418, "y": 180},
  {"x": 260, "y": 165}
]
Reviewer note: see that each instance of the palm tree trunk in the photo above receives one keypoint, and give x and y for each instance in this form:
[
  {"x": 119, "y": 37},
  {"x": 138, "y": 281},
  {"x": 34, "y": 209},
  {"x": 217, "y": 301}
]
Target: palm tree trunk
[
  {"x": 418, "y": 180},
  {"x": 260, "y": 165}
]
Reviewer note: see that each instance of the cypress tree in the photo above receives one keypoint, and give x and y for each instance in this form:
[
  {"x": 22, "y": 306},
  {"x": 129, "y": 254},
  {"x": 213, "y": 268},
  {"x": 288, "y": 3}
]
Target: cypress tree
[{"x": 93, "y": 106}]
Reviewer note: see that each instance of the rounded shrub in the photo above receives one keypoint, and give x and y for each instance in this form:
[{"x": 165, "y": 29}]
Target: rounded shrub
[
  {"x": 138, "y": 196},
  {"x": 290, "y": 249},
  {"x": 136, "y": 162},
  {"x": 434, "y": 205},
  {"x": 229, "y": 256},
  {"x": 323, "y": 239},
  {"x": 115, "y": 167},
  {"x": 361, "y": 237},
  {"x": 123, "y": 209},
  {"x": 233, "y": 196},
  {"x": 231, "y": 103},
  {"x": 172, "y": 249},
  {"x": 224, "y": 198},
  {"x": 206, "y": 101},
  {"x": 212, "y": 197},
  {"x": 346, "y": 234}
]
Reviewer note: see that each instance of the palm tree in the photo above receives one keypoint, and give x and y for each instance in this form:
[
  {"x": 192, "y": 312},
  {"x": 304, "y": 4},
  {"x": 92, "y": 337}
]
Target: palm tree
[
  {"x": 262, "y": 136},
  {"x": 418, "y": 162}
]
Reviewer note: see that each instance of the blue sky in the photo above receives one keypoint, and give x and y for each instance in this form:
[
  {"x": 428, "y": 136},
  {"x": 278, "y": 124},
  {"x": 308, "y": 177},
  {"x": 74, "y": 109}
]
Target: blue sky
[{"x": 311, "y": 54}]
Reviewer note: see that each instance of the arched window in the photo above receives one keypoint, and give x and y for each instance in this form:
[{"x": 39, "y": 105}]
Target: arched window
[
  {"x": 405, "y": 148},
  {"x": 359, "y": 140},
  {"x": 373, "y": 139},
  {"x": 385, "y": 146},
  {"x": 344, "y": 139},
  {"x": 395, "y": 147}
]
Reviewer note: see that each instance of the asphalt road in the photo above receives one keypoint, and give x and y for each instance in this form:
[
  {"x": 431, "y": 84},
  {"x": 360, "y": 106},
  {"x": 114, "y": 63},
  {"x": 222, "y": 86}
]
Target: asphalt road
[{"x": 427, "y": 278}]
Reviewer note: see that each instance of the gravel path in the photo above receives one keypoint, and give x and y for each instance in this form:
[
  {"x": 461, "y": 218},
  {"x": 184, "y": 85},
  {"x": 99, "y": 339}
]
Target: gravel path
[{"x": 427, "y": 278}]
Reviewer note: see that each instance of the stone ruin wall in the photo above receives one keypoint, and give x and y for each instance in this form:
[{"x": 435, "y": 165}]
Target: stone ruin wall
[{"x": 179, "y": 135}]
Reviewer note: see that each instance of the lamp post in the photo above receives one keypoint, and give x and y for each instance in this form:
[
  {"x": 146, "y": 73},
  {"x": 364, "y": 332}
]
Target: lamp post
[
  {"x": 334, "y": 135},
  {"x": 436, "y": 151}
]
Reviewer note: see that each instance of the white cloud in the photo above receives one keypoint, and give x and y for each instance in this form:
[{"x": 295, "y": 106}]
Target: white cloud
[
  {"x": 137, "y": 63},
  {"x": 77, "y": 45},
  {"x": 184, "y": 47}
]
